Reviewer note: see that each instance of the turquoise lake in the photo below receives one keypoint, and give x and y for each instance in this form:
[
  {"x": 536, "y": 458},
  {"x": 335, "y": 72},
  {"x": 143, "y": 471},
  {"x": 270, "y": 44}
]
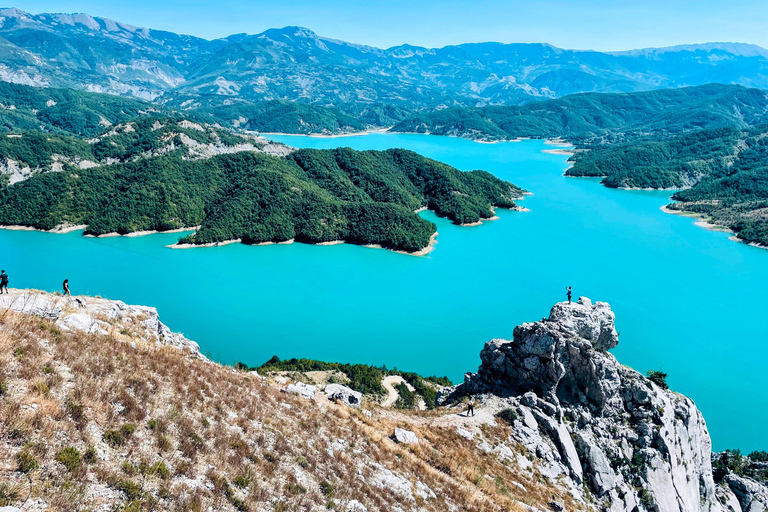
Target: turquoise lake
[{"x": 688, "y": 301}]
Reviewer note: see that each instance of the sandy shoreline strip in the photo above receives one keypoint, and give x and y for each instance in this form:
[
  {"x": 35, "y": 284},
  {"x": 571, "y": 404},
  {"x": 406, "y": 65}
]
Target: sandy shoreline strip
[
  {"x": 703, "y": 223},
  {"x": 58, "y": 229},
  {"x": 325, "y": 136}
]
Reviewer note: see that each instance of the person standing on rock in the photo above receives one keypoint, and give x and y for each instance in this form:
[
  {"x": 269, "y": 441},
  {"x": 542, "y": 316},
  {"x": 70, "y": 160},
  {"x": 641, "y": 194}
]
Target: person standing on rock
[
  {"x": 471, "y": 407},
  {"x": 568, "y": 293},
  {"x": 3, "y": 281},
  {"x": 66, "y": 288}
]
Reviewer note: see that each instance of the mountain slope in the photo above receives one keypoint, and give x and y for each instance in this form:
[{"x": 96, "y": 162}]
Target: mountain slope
[
  {"x": 295, "y": 64},
  {"x": 591, "y": 118},
  {"x": 115, "y": 417}
]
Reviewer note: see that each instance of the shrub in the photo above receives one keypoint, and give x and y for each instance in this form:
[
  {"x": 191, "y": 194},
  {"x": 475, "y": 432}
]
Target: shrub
[
  {"x": 242, "y": 480},
  {"x": 659, "y": 378},
  {"x": 161, "y": 470},
  {"x": 131, "y": 489},
  {"x": 9, "y": 494},
  {"x": 327, "y": 489},
  {"x": 508, "y": 415},
  {"x": 26, "y": 462},
  {"x": 70, "y": 458},
  {"x": 294, "y": 488},
  {"x": 89, "y": 457},
  {"x": 76, "y": 412},
  {"x": 113, "y": 438}
]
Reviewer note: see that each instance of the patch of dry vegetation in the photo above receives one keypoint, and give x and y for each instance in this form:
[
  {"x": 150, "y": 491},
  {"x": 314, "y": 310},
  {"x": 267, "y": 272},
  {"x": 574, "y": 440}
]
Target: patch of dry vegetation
[{"x": 89, "y": 422}]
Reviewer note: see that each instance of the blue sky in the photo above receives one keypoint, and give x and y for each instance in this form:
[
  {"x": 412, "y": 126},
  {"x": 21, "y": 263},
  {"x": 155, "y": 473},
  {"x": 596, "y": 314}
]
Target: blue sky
[{"x": 590, "y": 24}]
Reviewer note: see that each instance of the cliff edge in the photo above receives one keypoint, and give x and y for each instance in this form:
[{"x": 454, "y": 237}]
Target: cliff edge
[{"x": 619, "y": 441}]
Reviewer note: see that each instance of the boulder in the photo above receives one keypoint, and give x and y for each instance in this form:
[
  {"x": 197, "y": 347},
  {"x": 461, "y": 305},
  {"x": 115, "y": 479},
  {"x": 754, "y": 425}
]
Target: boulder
[
  {"x": 303, "y": 390},
  {"x": 343, "y": 394},
  {"x": 405, "y": 436}
]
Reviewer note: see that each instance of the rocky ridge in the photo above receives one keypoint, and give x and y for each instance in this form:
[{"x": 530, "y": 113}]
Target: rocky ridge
[
  {"x": 619, "y": 441},
  {"x": 95, "y": 315}
]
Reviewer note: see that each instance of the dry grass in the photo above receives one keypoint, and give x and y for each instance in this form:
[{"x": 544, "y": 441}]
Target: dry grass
[{"x": 87, "y": 421}]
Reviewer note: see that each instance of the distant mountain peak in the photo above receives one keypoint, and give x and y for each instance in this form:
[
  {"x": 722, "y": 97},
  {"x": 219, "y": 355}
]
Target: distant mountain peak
[
  {"x": 291, "y": 31},
  {"x": 13, "y": 12},
  {"x": 737, "y": 49}
]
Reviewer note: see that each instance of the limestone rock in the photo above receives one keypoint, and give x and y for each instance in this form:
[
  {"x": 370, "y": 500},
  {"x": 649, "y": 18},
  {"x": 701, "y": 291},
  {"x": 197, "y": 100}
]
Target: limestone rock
[
  {"x": 303, "y": 390},
  {"x": 752, "y": 496},
  {"x": 405, "y": 436},
  {"x": 96, "y": 315},
  {"x": 356, "y": 506},
  {"x": 344, "y": 394},
  {"x": 637, "y": 446}
]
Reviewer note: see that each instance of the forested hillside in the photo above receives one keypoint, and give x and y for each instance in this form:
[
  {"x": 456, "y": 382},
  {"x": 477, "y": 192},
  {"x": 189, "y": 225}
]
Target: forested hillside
[
  {"x": 707, "y": 140},
  {"x": 602, "y": 118},
  {"x": 311, "y": 195},
  {"x": 64, "y": 111}
]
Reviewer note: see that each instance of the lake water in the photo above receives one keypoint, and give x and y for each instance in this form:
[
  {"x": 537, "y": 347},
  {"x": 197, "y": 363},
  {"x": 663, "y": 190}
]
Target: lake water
[{"x": 688, "y": 301}]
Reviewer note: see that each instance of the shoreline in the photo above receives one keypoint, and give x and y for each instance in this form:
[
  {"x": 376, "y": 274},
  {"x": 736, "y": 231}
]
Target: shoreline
[
  {"x": 702, "y": 222},
  {"x": 422, "y": 252},
  {"x": 324, "y": 135},
  {"x": 63, "y": 229},
  {"x": 142, "y": 233}
]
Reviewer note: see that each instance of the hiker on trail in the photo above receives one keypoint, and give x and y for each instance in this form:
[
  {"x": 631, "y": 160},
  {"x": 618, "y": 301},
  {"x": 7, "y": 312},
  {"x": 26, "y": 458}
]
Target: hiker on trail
[
  {"x": 3, "y": 281},
  {"x": 471, "y": 407},
  {"x": 568, "y": 292},
  {"x": 66, "y": 288}
]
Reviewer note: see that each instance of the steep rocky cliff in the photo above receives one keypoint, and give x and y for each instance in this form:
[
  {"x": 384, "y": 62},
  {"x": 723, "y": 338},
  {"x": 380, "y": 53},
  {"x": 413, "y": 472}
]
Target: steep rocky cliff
[{"x": 618, "y": 440}]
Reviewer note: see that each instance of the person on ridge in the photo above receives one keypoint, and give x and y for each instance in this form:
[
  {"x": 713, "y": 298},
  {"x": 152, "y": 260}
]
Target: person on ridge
[
  {"x": 3, "y": 281},
  {"x": 66, "y": 288},
  {"x": 568, "y": 292},
  {"x": 471, "y": 407}
]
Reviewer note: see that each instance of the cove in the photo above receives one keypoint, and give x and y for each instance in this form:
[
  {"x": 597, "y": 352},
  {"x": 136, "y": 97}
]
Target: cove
[{"x": 688, "y": 301}]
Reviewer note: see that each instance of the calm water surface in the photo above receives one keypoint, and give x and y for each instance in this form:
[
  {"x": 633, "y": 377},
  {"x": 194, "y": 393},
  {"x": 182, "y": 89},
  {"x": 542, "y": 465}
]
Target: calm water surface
[{"x": 688, "y": 301}]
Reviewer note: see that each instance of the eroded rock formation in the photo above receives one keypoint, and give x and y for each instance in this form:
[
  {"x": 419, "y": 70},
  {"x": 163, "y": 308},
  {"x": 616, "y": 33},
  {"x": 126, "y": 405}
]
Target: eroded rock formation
[{"x": 618, "y": 440}]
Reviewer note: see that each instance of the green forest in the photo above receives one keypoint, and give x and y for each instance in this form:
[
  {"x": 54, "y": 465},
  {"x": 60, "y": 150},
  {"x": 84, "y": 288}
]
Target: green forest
[
  {"x": 705, "y": 141},
  {"x": 364, "y": 197},
  {"x": 594, "y": 118}
]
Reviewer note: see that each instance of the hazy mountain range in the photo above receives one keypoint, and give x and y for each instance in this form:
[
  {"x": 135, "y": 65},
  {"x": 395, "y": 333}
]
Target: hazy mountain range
[{"x": 295, "y": 64}]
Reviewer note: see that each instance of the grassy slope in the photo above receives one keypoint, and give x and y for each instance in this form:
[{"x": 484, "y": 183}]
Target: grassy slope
[{"x": 88, "y": 421}]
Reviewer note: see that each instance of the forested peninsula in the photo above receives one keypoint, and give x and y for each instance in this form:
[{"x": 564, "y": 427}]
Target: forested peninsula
[
  {"x": 707, "y": 142},
  {"x": 162, "y": 172}
]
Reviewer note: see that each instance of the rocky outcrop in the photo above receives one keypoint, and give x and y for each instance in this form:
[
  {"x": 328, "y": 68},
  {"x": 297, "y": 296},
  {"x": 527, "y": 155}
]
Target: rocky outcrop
[
  {"x": 750, "y": 496},
  {"x": 96, "y": 315},
  {"x": 343, "y": 394},
  {"x": 618, "y": 440}
]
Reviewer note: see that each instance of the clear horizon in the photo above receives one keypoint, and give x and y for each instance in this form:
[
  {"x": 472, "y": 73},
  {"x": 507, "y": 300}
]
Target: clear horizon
[{"x": 590, "y": 25}]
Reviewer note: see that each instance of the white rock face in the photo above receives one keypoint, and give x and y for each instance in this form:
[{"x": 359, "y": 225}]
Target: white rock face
[
  {"x": 344, "y": 394},
  {"x": 95, "y": 315},
  {"x": 405, "y": 436},
  {"x": 591, "y": 421},
  {"x": 303, "y": 390}
]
